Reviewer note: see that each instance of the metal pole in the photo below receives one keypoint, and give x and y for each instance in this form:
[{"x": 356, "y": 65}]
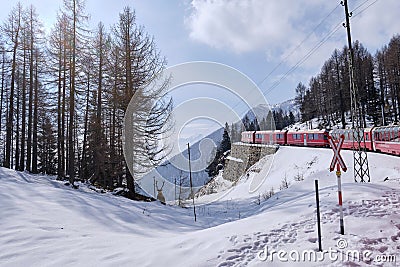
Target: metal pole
[
  {"x": 318, "y": 216},
  {"x": 361, "y": 168},
  {"x": 339, "y": 182},
  {"x": 191, "y": 184}
]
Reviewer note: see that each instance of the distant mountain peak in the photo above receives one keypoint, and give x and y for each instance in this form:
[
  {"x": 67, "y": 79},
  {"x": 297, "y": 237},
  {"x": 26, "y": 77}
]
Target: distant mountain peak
[{"x": 286, "y": 107}]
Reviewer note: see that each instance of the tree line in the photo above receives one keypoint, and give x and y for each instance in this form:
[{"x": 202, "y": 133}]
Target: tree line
[
  {"x": 377, "y": 78},
  {"x": 64, "y": 95}
]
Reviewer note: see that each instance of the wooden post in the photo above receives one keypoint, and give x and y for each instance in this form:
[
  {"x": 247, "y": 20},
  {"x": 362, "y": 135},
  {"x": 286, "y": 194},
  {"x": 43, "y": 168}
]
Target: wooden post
[
  {"x": 191, "y": 184},
  {"x": 154, "y": 187},
  {"x": 175, "y": 190},
  {"x": 318, "y": 217},
  {"x": 339, "y": 182}
]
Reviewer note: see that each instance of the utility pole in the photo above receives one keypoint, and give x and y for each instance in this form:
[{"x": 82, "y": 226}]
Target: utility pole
[
  {"x": 361, "y": 169},
  {"x": 175, "y": 189},
  {"x": 191, "y": 184},
  {"x": 154, "y": 187}
]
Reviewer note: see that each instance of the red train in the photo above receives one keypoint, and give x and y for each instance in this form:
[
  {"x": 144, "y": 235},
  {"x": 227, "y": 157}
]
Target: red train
[
  {"x": 265, "y": 137},
  {"x": 379, "y": 139}
]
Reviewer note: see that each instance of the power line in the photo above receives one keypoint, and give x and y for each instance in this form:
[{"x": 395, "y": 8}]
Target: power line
[
  {"x": 360, "y": 5},
  {"x": 295, "y": 49},
  {"x": 300, "y": 44},
  {"x": 311, "y": 52},
  {"x": 304, "y": 58},
  {"x": 355, "y": 15}
]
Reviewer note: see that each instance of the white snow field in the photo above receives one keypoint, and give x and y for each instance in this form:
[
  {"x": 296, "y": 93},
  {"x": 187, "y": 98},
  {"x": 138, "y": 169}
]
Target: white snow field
[{"x": 45, "y": 223}]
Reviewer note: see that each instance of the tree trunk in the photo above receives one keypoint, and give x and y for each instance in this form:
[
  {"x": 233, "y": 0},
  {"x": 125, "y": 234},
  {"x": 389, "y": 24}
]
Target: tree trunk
[
  {"x": 2, "y": 85},
  {"x": 60, "y": 173},
  {"x": 18, "y": 119},
  {"x": 30, "y": 102},
  {"x": 71, "y": 170},
  {"x": 22, "y": 157},
  {"x": 10, "y": 119},
  {"x": 35, "y": 118}
]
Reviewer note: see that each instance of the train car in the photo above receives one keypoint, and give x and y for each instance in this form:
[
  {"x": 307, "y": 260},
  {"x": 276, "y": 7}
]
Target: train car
[
  {"x": 314, "y": 138},
  {"x": 270, "y": 137},
  {"x": 386, "y": 139},
  {"x": 280, "y": 137},
  {"x": 265, "y": 137},
  {"x": 348, "y": 138},
  {"x": 248, "y": 137}
]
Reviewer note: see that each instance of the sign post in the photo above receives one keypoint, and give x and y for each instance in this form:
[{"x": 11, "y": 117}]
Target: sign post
[{"x": 338, "y": 161}]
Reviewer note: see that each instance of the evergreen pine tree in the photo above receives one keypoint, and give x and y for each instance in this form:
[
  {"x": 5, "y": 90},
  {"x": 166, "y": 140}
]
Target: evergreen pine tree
[
  {"x": 226, "y": 140},
  {"x": 219, "y": 158}
]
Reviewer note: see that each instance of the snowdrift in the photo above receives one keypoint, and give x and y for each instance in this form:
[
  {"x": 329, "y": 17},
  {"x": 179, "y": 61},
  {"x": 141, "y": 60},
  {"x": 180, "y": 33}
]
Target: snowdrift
[{"x": 45, "y": 223}]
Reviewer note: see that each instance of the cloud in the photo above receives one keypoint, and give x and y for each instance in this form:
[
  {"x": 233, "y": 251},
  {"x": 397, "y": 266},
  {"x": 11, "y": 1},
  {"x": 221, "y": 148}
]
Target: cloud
[
  {"x": 275, "y": 28},
  {"x": 249, "y": 25},
  {"x": 375, "y": 26}
]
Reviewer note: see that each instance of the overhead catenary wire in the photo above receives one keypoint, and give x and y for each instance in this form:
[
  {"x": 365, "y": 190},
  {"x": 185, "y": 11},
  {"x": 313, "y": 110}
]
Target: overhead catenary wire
[
  {"x": 299, "y": 45},
  {"x": 309, "y": 53},
  {"x": 293, "y": 51},
  {"x": 360, "y": 5},
  {"x": 304, "y": 58},
  {"x": 358, "y": 13},
  {"x": 312, "y": 51}
]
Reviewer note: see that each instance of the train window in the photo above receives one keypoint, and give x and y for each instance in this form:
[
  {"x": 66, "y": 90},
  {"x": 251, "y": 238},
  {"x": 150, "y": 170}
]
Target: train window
[
  {"x": 366, "y": 137},
  {"x": 279, "y": 136},
  {"x": 314, "y": 136},
  {"x": 258, "y": 135}
]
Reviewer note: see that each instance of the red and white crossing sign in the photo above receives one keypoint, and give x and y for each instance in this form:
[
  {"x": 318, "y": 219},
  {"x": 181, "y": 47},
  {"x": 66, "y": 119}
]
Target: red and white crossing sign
[{"x": 337, "y": 158}]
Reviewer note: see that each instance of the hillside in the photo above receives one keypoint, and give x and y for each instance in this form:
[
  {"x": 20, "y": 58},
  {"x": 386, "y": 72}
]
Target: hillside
[{"x": 44, "y": 223}]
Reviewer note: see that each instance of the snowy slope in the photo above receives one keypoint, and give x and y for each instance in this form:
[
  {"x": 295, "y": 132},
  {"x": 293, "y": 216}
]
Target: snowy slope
[{"x": 44, "y": 223}]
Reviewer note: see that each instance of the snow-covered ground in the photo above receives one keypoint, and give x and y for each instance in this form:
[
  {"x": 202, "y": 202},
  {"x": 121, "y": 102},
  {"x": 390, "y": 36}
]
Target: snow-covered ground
[{"x": 44, "y": 223}]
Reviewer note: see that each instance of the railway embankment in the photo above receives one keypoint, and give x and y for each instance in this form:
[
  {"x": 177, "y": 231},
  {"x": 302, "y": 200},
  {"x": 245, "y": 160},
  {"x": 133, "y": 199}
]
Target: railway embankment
[{"x": 243, "y": 156}]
